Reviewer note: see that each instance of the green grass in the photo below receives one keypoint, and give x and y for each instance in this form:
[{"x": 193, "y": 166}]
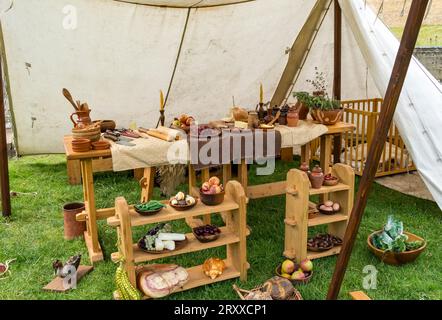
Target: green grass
[
  {"x": 34, "y": 236},
  {"x": 430, "y": 35}
]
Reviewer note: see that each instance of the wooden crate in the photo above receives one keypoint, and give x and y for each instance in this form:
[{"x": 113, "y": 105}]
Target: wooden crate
[
  {"x": 233, "y": 236},
  {"x": 364, "y": 114}
]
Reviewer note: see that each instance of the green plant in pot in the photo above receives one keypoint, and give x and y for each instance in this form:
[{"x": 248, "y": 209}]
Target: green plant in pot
[
  {"x": 395, "y": 246},
  {"x": 302, "y": 104},
  {"x": 322, "y": 108}
]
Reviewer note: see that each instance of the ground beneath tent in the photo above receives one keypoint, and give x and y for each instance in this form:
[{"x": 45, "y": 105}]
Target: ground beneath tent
[{"x": 407, "y": 183}]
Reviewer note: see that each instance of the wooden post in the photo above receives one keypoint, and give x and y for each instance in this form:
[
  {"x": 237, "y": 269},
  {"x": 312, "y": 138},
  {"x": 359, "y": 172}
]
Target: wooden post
[
  {"x": 337, "y": 74},
  {"x": 403, "y": 58},
  {"x": 4, "y": 171}
]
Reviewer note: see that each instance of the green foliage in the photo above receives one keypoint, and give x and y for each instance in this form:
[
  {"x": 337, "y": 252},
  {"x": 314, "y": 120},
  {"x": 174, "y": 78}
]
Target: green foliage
[
  {"x": 317, "y": 102},
  {"x": 392, "y": 238}
]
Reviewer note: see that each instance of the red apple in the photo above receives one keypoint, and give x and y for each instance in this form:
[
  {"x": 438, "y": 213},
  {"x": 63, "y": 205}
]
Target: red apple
[
  {"x": 206, "y": 186},
  {"x": 306, "y": 265},
  {"x": 214, "y": 181}
]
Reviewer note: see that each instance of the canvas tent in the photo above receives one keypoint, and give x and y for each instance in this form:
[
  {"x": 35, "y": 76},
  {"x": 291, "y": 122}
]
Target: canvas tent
[{"x": 117, "y": 55}]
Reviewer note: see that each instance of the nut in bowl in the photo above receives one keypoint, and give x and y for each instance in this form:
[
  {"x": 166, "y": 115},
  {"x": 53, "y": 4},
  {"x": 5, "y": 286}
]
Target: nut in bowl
[
  {"x": 182, "y": 202},
  {"x": 212, "y": 192},
  {"x": 300, "y": 273}
]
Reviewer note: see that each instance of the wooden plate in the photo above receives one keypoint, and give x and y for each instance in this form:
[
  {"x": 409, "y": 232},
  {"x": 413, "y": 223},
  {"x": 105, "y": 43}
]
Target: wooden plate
[
  {"x": 327, "y": 213},
  {"x": 314, "y": 249},
  {"x": 178, "y": 246}
]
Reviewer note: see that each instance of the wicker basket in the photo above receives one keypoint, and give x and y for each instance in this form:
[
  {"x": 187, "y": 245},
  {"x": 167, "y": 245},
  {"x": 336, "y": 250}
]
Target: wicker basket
[{"x": 242, "y": 293}]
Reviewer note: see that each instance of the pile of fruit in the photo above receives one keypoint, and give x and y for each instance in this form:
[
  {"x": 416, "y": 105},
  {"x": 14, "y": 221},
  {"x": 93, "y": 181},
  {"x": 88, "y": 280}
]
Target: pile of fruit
[
  {"x": 204, "y": 130},
  {"x": 294, "y": 271},
  {"x": 330, "y": 207},
  {"x": 213, "y": 186},
  {"x": 207, "y": 232},
  {"x": 183, "y": 122},
  {"x": 323, "y": 242},
  {"x": 150, "y": 206},
  {"x": 182, "y": 199}
]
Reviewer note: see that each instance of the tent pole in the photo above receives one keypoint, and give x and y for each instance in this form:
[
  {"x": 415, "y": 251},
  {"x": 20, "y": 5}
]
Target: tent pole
[
  {"x": 403, "y": 58},
  {"x": 337, "y": 140},
  {"x": 4, "y": 173}
]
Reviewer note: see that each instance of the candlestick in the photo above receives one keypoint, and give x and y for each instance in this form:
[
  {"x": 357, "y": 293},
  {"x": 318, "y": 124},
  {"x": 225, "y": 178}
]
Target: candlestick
[
  {"x": 161, "y": 100},
  {"x": 261, "y": 94}
]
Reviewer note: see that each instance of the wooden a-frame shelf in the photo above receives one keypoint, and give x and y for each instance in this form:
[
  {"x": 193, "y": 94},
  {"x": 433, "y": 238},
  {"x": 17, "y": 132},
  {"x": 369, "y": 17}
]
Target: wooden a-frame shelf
[
  {"x": 297, "y": 219},
  {"x": 233, "y": 236}
]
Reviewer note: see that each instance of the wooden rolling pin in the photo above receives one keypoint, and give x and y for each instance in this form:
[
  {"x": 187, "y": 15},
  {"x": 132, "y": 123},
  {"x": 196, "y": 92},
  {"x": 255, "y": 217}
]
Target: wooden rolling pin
[{"x": 156, "y": 134}]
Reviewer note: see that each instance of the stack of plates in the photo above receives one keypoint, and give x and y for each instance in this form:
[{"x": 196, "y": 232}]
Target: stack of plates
[
  {"x": 101, "y": 145},
  {"x": 81, "y": 145}
]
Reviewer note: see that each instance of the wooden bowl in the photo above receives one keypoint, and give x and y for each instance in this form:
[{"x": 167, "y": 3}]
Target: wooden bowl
[
  {"x": 147, "y": 213},
  {"x": 183, "y": 208},
  {"x": 205, "y": 239},
  {"x": 212, "y": 199},
  {"x": 106, "y": 125},
  {"x": 92, "y": 133},
  {"x": 327, "y": 213},
  {"x": 81, "y": 145},
  {"x": 393, "y": 258},
  {"x": 294, "y": 282},
  {"x": 315, "y": 249}
]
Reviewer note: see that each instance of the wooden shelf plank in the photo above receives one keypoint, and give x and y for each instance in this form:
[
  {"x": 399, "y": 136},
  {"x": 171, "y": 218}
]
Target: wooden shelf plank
[
  {"x": 193, "y": 245},
  {"x": 316, "y": 255},
  {"x": 324, "y": 189},
  {"x": 266, "y": 190},
  {"x": 170, "y": 214},
  {"x": 325, "y": 219}
]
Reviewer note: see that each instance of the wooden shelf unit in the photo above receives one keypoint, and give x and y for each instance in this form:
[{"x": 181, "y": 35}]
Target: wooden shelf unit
[
  {"x": 233, "y": 236},
  {"x": 297, "y": 219}
]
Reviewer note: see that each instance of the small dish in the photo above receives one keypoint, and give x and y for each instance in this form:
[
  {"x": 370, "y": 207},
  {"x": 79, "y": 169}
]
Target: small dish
[
  {"x": 295, "y": 282},
  {"x": 147, "y": 213},
  {"x": 178, "y": 246},
  {"x": 183, "y": 208}
]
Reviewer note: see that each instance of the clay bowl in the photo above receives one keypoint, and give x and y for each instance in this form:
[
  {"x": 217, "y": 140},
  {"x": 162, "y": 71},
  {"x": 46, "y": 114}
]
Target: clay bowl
[
  {"x": 393, "y": 258},
  {"x": 91, "y": 133},
  {"x": 205, "y": 239},
  {"x": 147, "y": 213},
  {"x": 331, "y": 183},
  {"x": 212, "y": 199},
  {"x": 81, "y": 145},
  {"x": 295, "y": 282},
  {"x": 100, "y": 145}
]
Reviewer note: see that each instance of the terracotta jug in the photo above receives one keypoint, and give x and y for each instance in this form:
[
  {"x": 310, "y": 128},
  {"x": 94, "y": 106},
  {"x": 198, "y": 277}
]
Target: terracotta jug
[
  {"x": 83, "y": 119},
  {"x": 316, "y": 177}
]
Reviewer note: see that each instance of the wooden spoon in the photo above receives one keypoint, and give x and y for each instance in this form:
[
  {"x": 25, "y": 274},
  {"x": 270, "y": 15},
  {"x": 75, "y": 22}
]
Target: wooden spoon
[
  {"x": 278, "y": 114},
  {"x": 68, "y": 96}
]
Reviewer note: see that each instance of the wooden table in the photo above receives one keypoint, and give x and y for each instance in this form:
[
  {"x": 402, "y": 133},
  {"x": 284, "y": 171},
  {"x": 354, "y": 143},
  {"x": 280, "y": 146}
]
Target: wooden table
[{"x": 91, "y": 213}]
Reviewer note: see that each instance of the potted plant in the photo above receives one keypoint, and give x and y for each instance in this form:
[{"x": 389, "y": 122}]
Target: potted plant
[
  {"x": 322, "y": 108},
  {"x": 395, "y": 246}
]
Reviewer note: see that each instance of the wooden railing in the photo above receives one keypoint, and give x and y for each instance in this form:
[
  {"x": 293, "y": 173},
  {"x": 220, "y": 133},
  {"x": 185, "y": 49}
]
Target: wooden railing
[{"x": 364, "y": 114}]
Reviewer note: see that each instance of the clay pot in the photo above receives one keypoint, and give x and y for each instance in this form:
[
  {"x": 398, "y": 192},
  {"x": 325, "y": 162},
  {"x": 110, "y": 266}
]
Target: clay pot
[
  {"x": 292, "y": 119},
  {"x": 282, "y": 120},
  {"x": 302, "y": 110},
  {"x": 327, "y": 117},
  {"x": 316, "y": 177},
  {"x": 83, "y": 119},
  {"x": 253, "y": 120},
  {"x": 304, "y": 167},
  {"x": 72, "y": 227},
  {"x": 106, "y": 125}
]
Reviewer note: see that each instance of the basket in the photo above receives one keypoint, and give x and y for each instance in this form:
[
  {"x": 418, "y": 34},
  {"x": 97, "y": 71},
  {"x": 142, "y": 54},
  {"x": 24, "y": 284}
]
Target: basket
[{"x": 242, "y": 293}]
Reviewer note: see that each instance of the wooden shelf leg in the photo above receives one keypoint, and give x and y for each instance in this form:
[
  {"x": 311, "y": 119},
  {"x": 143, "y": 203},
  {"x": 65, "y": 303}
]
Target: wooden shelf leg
[
  {"x": 297, "y": 207},
  {"x": 205, "y": 176},
  {"x": 243, "y": 174},
  {"x": 287, "y": 154},
  {"x": 147, "y": 183},
  {"x": 237, "y": 252},
  {"x": 91, "y": 235},
  {"x": 305, "y": 153},
  {"x": 74, "y": 172},
  {"x": 326, "y": 153}
]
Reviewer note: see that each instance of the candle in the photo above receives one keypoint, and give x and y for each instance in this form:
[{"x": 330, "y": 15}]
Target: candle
[
  {"x": 261, "y": 94},
  {"x": 161, "y": 100}
]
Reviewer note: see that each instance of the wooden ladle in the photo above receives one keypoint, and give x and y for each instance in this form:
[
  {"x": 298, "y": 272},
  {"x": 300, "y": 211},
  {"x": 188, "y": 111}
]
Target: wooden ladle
[{"x": 68, "y": 96}]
